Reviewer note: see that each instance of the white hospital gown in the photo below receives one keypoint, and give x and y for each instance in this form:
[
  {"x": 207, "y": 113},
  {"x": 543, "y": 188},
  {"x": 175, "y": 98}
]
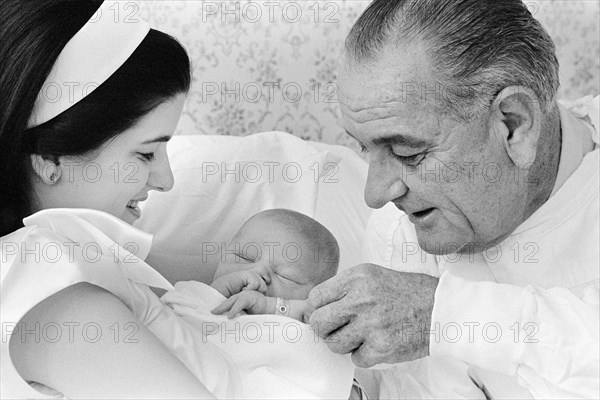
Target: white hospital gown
[{"x": 59, "y": 248}]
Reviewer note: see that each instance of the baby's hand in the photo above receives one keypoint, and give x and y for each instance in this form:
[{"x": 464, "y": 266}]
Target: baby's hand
[
  {"x": 250, "y": 301},
  {"x": 235, "y": 282}
]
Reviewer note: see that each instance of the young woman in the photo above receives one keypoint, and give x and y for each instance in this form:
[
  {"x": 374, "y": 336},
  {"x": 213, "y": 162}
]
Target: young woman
[{"x": 88, "y": 100}]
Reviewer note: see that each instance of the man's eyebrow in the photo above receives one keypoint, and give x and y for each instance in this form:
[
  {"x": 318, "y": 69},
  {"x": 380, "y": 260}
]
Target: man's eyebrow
[
  {"x": 161, "y": 139},
  {"x": 399, "y": 140}
]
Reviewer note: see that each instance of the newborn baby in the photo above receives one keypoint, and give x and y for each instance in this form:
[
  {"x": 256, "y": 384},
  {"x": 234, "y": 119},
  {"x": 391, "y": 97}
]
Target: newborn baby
[
  {"x": 271, "y": 264},
  {"x": 280, "y": 255}
]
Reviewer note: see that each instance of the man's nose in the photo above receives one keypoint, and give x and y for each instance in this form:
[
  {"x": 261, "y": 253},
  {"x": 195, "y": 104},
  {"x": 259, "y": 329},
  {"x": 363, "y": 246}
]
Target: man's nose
[
  {"x": 161, "y": 176},
  {"x": 384, "y": 183}
]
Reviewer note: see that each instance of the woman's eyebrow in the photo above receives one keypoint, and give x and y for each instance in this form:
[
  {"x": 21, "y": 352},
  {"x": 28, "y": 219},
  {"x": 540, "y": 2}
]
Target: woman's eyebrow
[
  {"x": 161, "y": 139},
  {"x": 244, "y": 257}
]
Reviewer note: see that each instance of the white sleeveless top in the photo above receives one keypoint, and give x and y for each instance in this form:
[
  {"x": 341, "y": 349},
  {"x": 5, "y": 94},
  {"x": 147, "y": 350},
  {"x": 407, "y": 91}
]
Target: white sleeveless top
[{"x": 59, "y": 248}]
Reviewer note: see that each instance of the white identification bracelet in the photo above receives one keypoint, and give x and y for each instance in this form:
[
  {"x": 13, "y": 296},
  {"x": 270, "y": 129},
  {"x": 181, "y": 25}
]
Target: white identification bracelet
[{"x": 281, "y": 307}]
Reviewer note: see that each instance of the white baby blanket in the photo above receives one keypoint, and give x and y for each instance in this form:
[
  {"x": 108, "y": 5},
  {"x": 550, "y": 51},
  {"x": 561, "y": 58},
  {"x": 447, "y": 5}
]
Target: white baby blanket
[{"x": 277, "y": 357}]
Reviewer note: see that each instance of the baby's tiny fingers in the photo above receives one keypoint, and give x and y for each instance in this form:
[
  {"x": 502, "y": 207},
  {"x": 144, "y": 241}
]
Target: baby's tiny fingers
[
  {"x": 235, "y": 309},
  {"x": 239, "y": 306},
  {"x": 223, "y": 307},
  {"x": 257, "y": 284},
  {"x": 262, "y": 287}
]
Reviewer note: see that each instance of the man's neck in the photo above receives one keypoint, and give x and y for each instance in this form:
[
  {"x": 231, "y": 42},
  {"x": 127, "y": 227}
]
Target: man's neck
[
  {"x": 543, "y": 172},
  {"x": 541, "y": 176}
]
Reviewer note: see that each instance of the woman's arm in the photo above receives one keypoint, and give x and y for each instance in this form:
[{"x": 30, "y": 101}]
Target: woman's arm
[{"x": 122, "y": 361}]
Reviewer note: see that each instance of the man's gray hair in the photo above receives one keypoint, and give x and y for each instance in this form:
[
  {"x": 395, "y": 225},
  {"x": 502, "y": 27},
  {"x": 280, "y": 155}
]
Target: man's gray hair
[{"x": 477, "y": 47}]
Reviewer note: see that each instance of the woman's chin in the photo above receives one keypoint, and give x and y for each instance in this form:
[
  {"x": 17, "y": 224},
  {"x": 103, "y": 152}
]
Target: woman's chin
[{"x": 130, "y": 215}]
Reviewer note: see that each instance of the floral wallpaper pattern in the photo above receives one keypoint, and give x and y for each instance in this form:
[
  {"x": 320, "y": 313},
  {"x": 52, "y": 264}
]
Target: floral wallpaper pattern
[{"x": 271, "y": 65}]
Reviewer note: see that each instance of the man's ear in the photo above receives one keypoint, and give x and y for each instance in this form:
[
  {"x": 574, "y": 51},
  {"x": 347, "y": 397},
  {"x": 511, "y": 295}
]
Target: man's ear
[
  {"x": 48, "y": 170},
  {"x": 517, "y": 119}
]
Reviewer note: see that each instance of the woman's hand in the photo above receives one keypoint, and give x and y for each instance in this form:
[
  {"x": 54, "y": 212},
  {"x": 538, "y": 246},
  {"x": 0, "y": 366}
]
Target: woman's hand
[
  {"x": 250, "y": 301},
  {"x": 235, "y": 282}
]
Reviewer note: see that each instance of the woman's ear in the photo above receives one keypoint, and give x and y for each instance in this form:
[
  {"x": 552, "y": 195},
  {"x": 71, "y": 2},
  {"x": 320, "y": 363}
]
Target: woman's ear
[
  {"x": 48, "y": 170},
  {"x": 517, "y": 119}
]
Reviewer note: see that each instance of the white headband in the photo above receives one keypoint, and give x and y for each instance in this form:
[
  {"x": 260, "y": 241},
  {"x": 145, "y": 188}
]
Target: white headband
[{"x": 96, "y": 52}]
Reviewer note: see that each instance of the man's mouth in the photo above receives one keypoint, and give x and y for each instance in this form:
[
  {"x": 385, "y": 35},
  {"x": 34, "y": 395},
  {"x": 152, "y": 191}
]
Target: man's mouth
[{"x": 422, "y": 216}]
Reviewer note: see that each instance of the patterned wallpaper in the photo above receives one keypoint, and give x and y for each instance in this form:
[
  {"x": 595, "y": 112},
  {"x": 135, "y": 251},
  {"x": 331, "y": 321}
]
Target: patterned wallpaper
[{"x": 271, "y": 65}]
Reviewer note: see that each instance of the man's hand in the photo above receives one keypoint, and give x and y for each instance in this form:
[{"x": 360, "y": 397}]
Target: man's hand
[
  {"x": 380, "y": 315},
  {"x": 235, "y": 282},
  {"x": 249, "y": 301}
]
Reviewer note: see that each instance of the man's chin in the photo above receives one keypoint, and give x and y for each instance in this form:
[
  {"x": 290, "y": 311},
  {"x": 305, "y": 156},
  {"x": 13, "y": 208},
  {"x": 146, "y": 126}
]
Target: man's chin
[
  {"x": 440, "y": 246},
  {"x": 443, "y": 237}
]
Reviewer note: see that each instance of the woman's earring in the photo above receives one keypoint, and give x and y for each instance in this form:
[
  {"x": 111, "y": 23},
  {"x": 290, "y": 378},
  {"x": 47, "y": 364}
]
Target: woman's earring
[
  {"x": 47, "y": 170},
  {"x": 53, "y": 178}
]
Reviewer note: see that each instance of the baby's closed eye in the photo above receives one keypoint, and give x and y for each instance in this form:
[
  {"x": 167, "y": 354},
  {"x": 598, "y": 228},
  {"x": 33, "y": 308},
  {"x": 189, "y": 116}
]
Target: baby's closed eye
[
  {"x": 285, "y": 278},
  {"x": 291, "y": 279}
]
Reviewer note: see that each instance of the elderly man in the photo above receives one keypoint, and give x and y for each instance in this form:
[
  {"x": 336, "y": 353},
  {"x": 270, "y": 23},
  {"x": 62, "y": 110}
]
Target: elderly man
[{"x": 496, "y": 255}]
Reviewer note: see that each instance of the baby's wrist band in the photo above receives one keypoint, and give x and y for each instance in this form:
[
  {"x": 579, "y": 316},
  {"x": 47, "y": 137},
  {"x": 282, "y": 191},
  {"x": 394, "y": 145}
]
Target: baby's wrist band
[{"x": 282, "y": 307}]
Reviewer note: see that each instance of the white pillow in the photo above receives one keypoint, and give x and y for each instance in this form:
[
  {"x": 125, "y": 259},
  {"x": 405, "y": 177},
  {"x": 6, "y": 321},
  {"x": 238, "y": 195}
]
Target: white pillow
[{"x": 221, "y": 181}]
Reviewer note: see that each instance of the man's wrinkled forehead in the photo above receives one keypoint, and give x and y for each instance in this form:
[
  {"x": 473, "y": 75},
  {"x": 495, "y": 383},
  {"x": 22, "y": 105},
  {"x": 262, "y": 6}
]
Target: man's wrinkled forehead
[
  {"x": 398, "y": 76},
  {"x": 377, "y": 98},
  {"x": 390, "y": 96},
  {"x": 383, "y": 115}
]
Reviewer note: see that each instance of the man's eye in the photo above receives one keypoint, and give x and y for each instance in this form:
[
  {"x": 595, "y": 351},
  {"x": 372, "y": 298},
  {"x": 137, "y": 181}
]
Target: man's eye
[
  {"x": 147, "y": 156},
  {"x": 413, "y": 160},
  {"x": 363, "y": 149}
]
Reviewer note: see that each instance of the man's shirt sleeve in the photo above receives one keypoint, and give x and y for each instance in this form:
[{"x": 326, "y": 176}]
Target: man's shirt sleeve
[{"x": 548, "y": 338}]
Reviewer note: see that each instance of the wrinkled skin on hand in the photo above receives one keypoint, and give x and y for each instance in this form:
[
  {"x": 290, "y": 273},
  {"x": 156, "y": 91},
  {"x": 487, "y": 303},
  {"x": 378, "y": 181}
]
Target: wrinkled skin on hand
[{"x": 380, "y": 315}]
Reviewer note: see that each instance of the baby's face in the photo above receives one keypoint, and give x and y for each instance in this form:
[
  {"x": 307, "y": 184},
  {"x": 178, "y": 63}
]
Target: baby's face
[{"x": 282, "y": 258}]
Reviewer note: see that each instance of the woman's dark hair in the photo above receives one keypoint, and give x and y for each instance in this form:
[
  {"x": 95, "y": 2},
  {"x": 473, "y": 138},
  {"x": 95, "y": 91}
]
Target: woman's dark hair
[{"x": 32, "y": 35}]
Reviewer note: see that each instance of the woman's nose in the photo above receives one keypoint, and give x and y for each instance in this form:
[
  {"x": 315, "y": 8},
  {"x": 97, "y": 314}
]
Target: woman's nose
[
  {"x": 384, "y": 183},
  {"x": 161, "y": 177}
]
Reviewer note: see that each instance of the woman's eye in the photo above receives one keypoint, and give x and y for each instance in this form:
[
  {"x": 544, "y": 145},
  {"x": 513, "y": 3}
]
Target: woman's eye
[
  {"x": 147, "y": 156},
  {"x": 363, "y": 149},
  {"x": 245, "y": 258}
]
